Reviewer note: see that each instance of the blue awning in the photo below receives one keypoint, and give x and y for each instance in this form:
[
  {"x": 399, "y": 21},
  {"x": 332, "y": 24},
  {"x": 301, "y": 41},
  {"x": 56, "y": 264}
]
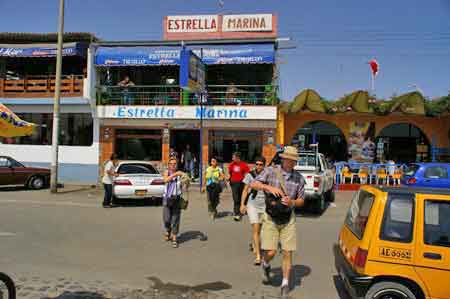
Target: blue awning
[
  {"x": 129, "y": 56},
  {"x": 236, "y": 54},
  {"x": 212, "y": 54},
  {"x": 41, "y": 50}
]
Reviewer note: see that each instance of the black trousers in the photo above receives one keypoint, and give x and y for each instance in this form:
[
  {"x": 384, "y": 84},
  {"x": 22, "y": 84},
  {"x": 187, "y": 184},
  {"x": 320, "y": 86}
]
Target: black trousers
[
  {"x": 108, "y": 194},
  {"x": 236, "y": 189},
  {"x": 213, "y": 194}
]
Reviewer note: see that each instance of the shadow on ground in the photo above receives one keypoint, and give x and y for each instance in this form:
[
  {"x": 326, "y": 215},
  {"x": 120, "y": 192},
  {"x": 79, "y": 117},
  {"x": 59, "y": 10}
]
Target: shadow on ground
[
  {"x": 78, "y": 295},
  {"x": 340, "y": 287},
  {"x": 297, "y": 274},
  {"x": 14, "y": 189},
  {"x": 192, "y": 235}
]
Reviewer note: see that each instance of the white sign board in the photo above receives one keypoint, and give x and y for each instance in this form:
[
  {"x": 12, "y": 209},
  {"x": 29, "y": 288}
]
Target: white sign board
[
  {"x": 244, "y": 23},
  {"x": 189, "y": 112},
  {"x": 200, "y": 23}
]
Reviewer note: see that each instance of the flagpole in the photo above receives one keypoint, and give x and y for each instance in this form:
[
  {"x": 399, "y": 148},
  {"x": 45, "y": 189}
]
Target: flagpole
[{"x": 373, "y": 83}]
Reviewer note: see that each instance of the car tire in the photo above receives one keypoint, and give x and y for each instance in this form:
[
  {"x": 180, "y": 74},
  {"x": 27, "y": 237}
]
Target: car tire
[
  {"x": 330, "y": 195},
  {"x": 391, "y": 290},
  {"x": 36, "y": 183},
  {"x": 10, "y": 287},
  {"x": 319, "y": 205}
]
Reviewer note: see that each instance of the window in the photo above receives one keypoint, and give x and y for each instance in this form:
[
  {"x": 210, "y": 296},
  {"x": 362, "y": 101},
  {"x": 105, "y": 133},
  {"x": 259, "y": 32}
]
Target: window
[
  {"x": 137, "y": 169},
  {"x": 76, "y": 129},
  {"x": 436, "y": 172},
  {"x": 358, "y": 213},
  {"x": 136, "y": 144},
  {"x": 411, "y": 169},
  {"x": 224, "y": 143},
  {"x": 4, "y": 162},
  {"x": 437, "y": 223},
  {"x": 398, "y": 221},
  {"x": 307, "y": 160}
]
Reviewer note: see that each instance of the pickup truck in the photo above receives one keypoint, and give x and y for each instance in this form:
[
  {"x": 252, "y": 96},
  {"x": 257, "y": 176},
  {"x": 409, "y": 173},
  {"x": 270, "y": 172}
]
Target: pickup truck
[{"x": 319, "y": 177}]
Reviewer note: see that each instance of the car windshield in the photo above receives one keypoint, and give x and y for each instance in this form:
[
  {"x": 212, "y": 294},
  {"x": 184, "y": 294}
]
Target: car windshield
[
  {"x": 411, "y": 169},
  {"x": 307, "y": 160},
  {"x": 137, "y": 168}
]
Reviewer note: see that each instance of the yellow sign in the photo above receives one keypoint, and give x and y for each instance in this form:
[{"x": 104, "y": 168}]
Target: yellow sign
[{"x": 12, "y": 126}]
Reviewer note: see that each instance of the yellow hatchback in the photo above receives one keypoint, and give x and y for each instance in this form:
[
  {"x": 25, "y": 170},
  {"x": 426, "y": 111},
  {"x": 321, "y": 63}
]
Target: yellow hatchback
[{"x": 395, "y": 243}]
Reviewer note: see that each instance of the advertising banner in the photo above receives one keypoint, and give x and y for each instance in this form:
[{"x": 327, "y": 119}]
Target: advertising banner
[
  {"x": 192, "y": 71},
  {"x": 12, "y": 126},
  {"x": 361, "y": 145},
  {"x": 246, "y": 23},
  {"x": 199, "y": 23},
  {"x": 49, "y": 50}
]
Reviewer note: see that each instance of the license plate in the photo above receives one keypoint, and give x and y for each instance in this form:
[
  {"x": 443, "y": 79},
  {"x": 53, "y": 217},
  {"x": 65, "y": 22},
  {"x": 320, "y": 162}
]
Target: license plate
[{"x": 140, "y": 192}]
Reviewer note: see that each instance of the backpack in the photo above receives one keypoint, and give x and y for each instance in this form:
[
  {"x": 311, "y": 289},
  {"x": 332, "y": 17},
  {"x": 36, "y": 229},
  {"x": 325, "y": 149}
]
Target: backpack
[{"x": 280, "y": 213}]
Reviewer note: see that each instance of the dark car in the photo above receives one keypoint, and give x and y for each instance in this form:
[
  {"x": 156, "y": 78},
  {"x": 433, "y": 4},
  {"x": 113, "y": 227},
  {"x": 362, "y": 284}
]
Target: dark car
[
  {"x": 15, "y": 173},
  {"x": 434, "y": 175}
]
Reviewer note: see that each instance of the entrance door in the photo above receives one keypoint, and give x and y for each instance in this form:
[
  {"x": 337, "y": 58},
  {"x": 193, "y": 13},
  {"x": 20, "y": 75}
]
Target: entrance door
[
  {"x": 180, "y": 140},
  {"x": 433, "y": 244}
]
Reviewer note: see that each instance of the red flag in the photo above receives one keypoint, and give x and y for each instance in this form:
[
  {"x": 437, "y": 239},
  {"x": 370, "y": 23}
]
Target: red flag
[{"x": 374, "y": 66}]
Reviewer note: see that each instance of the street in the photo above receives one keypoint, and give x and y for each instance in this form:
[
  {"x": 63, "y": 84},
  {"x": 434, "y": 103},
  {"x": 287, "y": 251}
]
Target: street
[{"x": 66, "y": 246}]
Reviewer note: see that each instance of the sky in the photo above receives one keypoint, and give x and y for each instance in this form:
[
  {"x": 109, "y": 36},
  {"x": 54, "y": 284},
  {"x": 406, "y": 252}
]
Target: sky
[{"x": 333, "y": 39}]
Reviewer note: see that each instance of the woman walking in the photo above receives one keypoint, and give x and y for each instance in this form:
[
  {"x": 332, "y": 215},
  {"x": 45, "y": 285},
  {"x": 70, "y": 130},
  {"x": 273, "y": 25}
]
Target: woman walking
[
  {"x": 255, "y": 206},
  {"x": 212, "y": 183},
  {"x": 172, "y": 201}
]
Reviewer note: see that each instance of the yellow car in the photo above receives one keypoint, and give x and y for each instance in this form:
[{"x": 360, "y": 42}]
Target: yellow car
[{"x": 395, "y": 243}]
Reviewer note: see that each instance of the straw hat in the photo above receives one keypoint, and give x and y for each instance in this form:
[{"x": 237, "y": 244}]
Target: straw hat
[{"x": 290, "y": 153}]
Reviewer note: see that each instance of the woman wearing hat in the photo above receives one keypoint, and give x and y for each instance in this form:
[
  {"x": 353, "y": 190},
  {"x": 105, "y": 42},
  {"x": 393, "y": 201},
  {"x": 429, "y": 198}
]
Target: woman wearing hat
[{"x": 285, "y": 191}]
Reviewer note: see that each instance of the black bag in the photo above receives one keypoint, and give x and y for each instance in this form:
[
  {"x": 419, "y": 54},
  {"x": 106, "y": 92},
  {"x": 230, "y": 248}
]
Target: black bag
[
  {"x": 177, "y": 201},
  {"x": 280, "y": 213},
  {"x": 252, "y": 191},
  {"x": 214, "y": 187}
]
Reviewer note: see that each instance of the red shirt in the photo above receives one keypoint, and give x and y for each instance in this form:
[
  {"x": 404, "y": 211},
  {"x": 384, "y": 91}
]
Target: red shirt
[{"x": 238, "y": 171}]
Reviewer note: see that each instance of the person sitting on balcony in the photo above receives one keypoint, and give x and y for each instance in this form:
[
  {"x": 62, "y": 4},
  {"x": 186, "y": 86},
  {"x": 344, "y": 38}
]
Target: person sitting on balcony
[
  {"x": 125, "y": 83},
  {"x": 232, "y": 93}
]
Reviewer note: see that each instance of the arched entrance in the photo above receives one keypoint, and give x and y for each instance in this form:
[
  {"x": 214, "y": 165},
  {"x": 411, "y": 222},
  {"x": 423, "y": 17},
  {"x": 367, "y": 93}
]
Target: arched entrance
[
  {"x": 403, "y": 143},
  {"x": 330, "y": 138}
]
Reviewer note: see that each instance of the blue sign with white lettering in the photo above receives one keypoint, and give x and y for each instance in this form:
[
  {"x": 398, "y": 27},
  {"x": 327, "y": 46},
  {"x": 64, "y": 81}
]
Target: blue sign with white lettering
[{"x": 123, "y": 56}]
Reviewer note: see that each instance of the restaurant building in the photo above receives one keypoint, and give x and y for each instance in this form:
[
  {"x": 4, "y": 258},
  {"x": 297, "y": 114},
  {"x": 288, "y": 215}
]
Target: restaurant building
[{"x": 237, "y": 111}]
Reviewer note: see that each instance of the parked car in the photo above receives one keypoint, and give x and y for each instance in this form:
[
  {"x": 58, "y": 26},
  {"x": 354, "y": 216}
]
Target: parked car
[
  {"x": 319, "y": 178},
  {"x": 15, "y": 173},
  {"x": 395, "y": 243},
  {"x": 434, "y": 175},
  {"x": 136, "y": 180}
]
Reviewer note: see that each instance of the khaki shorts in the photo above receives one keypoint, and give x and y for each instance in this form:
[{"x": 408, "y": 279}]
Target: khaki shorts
[{"x": 272, "y": 233}]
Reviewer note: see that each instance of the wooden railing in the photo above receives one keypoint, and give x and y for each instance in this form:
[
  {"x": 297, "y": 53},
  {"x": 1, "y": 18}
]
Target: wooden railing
[{"x": 41, "y": 86}]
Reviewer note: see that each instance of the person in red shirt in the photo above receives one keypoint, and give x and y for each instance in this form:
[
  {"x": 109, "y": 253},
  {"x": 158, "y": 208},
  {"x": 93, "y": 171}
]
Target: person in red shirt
[{"x": 237, "y": 171}]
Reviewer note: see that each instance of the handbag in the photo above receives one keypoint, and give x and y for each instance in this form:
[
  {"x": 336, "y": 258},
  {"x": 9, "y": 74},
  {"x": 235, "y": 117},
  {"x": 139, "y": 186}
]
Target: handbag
[
  {"x": 280, "y": 213},
  {"x": 177, "y": 201}
]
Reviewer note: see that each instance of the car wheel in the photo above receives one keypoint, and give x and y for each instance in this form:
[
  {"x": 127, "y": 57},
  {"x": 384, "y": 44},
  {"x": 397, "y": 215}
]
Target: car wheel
[
  {"x": 330, "y": 195},
  {"x": 389, "y": 290},
  {"x": 8, "y": 286},
  {"x": 36, "y": 183},
  {"x": 319, "y": 205}
]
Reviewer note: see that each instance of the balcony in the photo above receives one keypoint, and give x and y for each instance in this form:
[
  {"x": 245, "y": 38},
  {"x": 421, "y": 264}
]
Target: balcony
[
  {"x": 173, "y": 95},
  {"x": 41, "y": 86}
]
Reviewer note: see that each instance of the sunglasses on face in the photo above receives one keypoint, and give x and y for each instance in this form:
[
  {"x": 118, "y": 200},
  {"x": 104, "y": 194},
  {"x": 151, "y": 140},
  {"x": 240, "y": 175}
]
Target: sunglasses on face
[{"x": 259, "y": 164}]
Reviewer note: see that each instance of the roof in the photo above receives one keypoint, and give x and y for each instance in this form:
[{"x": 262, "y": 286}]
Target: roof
[
  {"x": 179, "y": 42},
  {"x": 431, "y": 164},
  {"x": 52, "y": 37},
  {"x": 413, "y": 190}
]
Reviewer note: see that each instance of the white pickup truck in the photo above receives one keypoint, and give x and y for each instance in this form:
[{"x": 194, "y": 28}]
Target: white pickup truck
[{"x": 319, "y": 177}]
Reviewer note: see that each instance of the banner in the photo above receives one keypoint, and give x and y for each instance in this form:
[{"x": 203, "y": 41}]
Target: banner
[
  {"x": 12, "y": 126},
  {"x": 192, "y": 71},
  {"x": 361, "y": 145}
]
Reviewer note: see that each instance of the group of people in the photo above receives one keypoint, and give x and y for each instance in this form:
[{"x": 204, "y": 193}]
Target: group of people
[{"x": 267, "y": 194}]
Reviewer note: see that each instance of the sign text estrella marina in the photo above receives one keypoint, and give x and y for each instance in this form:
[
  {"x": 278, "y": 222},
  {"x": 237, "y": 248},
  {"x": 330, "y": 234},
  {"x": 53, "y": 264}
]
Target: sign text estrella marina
[{"x": 181, "y": 112}]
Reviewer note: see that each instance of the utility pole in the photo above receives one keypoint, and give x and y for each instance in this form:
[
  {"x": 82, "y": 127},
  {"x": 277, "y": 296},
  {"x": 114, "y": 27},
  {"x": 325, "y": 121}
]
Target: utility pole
[{"x": 55, "y": 136}]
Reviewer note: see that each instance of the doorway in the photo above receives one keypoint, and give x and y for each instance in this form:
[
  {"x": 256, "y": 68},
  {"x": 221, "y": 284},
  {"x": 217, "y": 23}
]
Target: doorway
[{"x": 180, "y": 139}]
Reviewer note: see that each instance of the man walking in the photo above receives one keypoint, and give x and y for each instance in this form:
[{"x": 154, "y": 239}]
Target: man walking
[
  {"x": 237, "y": 171},
  {"x": 186, "y": 158},
  {"x": 108, "y": 176},
  {"x": 285, "y": 190}
]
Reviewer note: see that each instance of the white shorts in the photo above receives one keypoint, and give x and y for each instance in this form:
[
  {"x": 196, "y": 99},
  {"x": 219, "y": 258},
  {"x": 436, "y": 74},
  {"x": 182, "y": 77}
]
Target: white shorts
[{"x": 255, "y": 215}]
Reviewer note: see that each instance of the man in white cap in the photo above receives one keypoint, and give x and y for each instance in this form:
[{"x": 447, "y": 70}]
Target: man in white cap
[{"x": 285, "y": 189}]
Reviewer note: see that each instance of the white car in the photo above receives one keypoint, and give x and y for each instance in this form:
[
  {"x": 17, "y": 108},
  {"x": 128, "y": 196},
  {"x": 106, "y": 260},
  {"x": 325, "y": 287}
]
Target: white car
[{"x": 136, "y": 180}]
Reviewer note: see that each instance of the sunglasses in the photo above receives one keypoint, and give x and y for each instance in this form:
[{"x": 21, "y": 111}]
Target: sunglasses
[{"x": 259, "y": 164}]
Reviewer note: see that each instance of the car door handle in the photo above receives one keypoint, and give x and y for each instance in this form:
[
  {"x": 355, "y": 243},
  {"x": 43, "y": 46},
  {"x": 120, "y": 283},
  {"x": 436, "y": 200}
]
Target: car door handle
[{"x": 432, "y": 256}]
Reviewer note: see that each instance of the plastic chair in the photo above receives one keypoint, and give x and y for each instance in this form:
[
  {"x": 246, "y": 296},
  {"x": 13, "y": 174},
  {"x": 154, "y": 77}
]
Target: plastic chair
[
  {"x": 382, "y": 174},
  {"x": 363, "y": 175},
  {"x": 396, "y": 177},
  {"x": 346, "y": 174}
]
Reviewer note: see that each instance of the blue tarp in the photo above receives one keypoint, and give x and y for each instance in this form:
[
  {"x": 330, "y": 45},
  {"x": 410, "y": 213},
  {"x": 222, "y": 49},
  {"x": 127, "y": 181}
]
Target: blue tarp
[
  {"x": 49, "y": 50},
  {"x": 211, "y": 54}
]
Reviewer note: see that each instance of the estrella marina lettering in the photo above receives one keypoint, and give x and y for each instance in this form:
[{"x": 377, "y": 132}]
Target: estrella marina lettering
[
  {"x": 154, "y": 112},
  {"x": 212, "y": 113}
]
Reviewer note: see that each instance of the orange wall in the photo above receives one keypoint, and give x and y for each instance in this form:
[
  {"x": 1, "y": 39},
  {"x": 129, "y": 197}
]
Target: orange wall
[{"x": 438, "y": 127}]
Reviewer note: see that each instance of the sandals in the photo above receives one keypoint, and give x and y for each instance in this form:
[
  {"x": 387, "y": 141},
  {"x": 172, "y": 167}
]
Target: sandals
[
  {"x": 166, "y": 237},
  {"x": 174, "y": 244},
  {"x": 257, "y": 262}
]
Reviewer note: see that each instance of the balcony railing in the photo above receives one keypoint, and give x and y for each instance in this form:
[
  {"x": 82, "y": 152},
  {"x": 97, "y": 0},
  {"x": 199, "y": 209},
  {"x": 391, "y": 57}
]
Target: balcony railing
[
  {"x": 41, "y": 86},
  {"x": 174, "y": 95}
]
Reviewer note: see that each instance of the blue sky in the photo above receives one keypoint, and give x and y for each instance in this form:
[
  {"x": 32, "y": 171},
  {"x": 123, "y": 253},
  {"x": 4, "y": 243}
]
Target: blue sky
[{"x": 334, "y": 39}]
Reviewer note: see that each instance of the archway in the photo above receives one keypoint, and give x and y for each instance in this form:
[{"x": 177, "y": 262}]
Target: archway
[
  {"x": 403, "y": 143},
  {"x": 330, "y": 138}
]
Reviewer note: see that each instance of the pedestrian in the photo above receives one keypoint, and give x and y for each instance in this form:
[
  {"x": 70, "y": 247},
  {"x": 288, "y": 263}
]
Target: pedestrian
[
  {"x": 172, "y": 201},
  {"x": 125, "y": 84},
  {"x": 186, "y": 158},
  {"x": 212, "y": 184},
  {"x": 237, "y": 171},
  {"x": 109, "y": 172},
  {"x": 285, "y": 190},
  {"x": 255, "y": 206},
  {"x": 173, "y": 153}
]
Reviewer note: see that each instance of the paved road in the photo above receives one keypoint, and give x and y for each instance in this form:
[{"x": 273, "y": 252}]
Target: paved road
[{"x": 66, "y": 246}]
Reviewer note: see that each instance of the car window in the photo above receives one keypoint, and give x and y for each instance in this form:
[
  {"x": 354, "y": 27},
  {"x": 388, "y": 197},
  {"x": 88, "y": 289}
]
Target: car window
[
  {"x": 398, "y": 220},
  {"x": 4, "y": 162},
  {"x": 437, "y": 223},
  {"x": 436, "y": 172},
  {"x": 411, "y": 169},
  {"x": 307, "y": 160},
  {"x": 137, "y": 169},
  {"x": 358, "y": 213}
]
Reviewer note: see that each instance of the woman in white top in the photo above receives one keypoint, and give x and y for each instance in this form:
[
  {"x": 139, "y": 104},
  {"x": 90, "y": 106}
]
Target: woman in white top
[
  {"x": 171, "y": 201},
  {"x": 255, "y": 206}
]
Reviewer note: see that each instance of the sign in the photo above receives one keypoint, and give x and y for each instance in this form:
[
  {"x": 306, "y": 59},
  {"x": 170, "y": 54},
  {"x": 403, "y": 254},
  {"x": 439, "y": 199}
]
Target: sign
[
  {"x": 12, "y": 126},
  {"x": 192, "y": 71},
  {"x": 188, "y": 112},
  {"x": 47, "y": 50},
  {"x": 245, "y": 23},
  {"x": 200, "y": 23},
  {"x": 236, "y": 54},
  {"x": 124, "y": 56},
  {"x": 361, "y": 147}
]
